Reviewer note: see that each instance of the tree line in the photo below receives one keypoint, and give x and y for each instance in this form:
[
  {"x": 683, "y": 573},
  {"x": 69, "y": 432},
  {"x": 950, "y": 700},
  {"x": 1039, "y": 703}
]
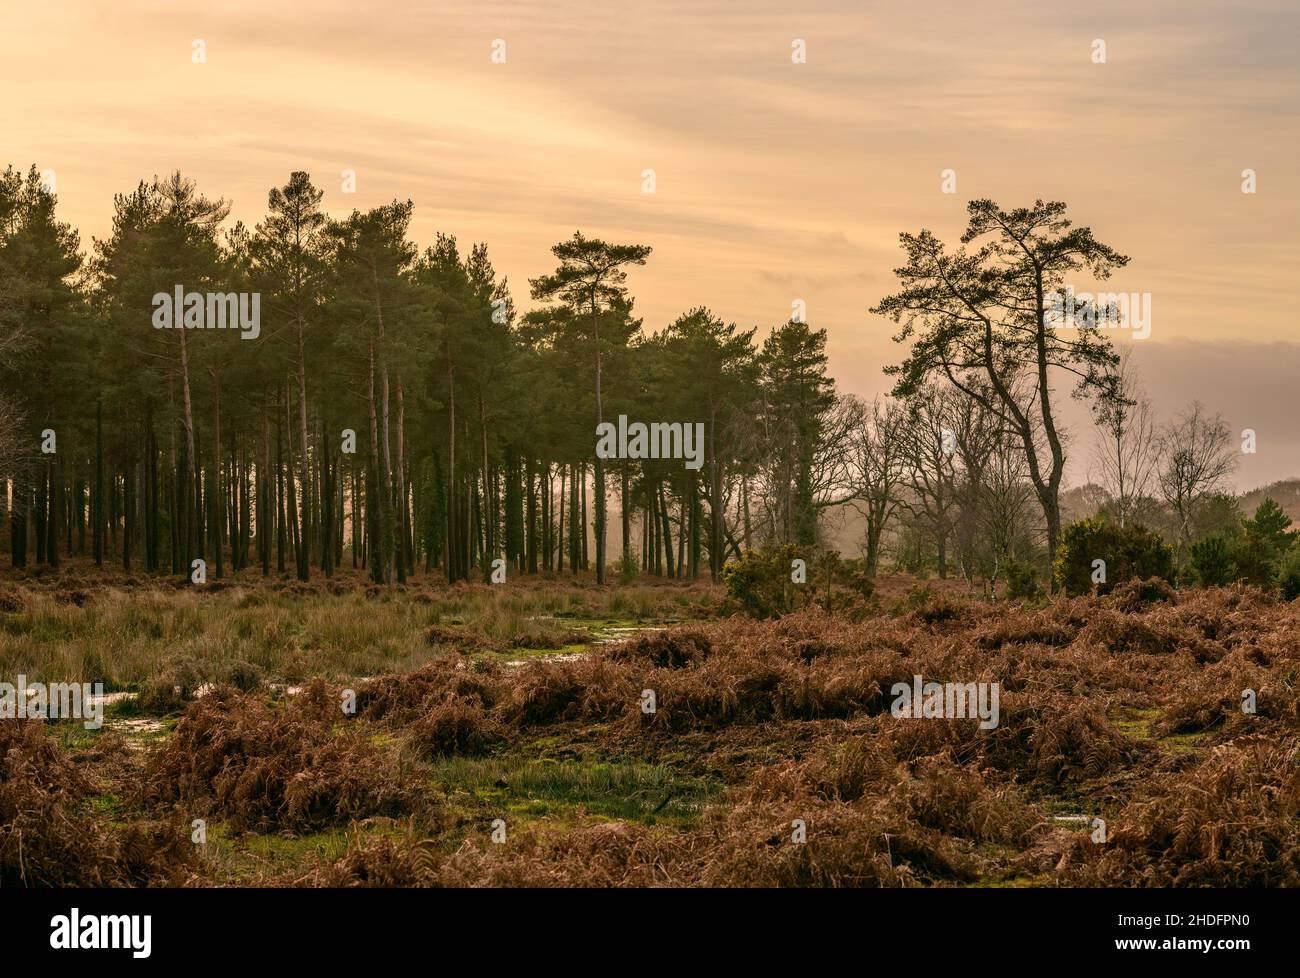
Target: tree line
[{"x": 394, "y": 410}]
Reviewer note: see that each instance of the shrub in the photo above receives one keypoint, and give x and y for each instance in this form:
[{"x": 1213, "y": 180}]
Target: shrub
[
  {"x": 49, "y": 837},
  {"x": 760, "y": 580},
  {"x": 1212, "y": 561},
  {"x": 1136, "y": 595},
  {"x": 665, "y": 650},
  {"x": 181, "y": 679},
  {"x": 1022, "y": 582},
  {"x": 456, "y": 726},
  {"x": 1131, "y": 551},
  {"x": 265, "y": 767},
  {"x": 1253, "y": 561},
  {"x": 628, "y": 566}
]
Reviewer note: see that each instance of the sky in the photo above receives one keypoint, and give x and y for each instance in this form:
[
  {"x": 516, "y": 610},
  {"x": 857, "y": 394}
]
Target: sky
[{"x": 774, "y": 180}]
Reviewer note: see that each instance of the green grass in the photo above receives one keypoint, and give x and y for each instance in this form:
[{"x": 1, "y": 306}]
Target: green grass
[
  {"x": 534, "y": 788},
  {"x": 243, "y": 858},
  {"x": 72, "y": 735}
]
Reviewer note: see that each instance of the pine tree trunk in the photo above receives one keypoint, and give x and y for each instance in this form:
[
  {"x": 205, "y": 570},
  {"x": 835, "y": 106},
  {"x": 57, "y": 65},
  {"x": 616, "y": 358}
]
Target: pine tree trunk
[
  {"x": 56, "y": 514},
  {"x": 304, "y": 530},
  {"x": 215, "y": 493},
  {"x": 192, "y": 537},
  {"x": 280, "y": 521},
  {"x": 98, "y": 505}
]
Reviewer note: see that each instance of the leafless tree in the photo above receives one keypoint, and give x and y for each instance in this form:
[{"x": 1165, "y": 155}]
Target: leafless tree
[
  {"x": 929, "y": 444},
  {"x": 878, "y": 470},
  {"x": 830, "y": 481},
  {"x": 994, "y": 494},
  {"x": 833, "y": 464},
  {"x": 1001, "y": 507},
  {"x": 1198, "y": 456},
  {"x": 1128, "y": 452}
]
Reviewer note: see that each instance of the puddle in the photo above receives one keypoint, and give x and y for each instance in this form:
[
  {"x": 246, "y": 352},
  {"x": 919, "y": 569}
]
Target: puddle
[
  {"x": 606, "y": 636},
  {"x": 136, "y": 730},
  {"x": 108, "y": 699},
  {"x": 99, "y": 699},
  {"x": 553, "y": 657},
  {"x": 294, "y": 690},
  {"x": 600, "y": 635}
]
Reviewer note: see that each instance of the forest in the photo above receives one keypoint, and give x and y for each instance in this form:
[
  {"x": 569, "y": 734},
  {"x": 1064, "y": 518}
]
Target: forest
[{"x": 394, "y": 410}]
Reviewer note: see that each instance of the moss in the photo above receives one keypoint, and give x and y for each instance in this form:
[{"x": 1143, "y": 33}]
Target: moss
[
  {"x": 1140, "y": 725},
  {"x": 1135, "y": 722}
]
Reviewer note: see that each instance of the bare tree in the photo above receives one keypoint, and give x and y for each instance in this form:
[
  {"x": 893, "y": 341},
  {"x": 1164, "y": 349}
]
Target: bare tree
[
  {"x": 999, "y": 507},
  {"x": 994, "y": 494},
  {"x": 878, "y": 469},
  {"x": 1198, "y": 456},
  {"x": 1128, "y": 452},
  {"x": 929, "y": 444},
  {"x": 832, "y": 471}
]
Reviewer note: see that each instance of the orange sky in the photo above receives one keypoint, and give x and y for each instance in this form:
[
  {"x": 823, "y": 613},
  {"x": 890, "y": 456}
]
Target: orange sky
[{"x": 774, "y": 181}]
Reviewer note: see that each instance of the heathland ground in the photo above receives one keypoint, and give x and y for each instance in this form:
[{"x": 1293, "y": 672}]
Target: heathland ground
[{"x": 498, "y": 734}]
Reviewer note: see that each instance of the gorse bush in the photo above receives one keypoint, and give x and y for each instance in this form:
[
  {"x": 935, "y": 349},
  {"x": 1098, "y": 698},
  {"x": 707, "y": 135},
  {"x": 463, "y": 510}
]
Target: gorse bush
[
  {"x": 1128, "y": 552},
  {"x": 763, "y": 581},
  {"x": 760, "y": 582}
]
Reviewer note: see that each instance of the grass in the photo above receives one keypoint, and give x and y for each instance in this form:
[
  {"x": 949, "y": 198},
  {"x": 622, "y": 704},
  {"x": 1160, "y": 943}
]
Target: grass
[
  {"x": 122, "y": 636},
  {"x": 244, "y": 859},
  {"x": 547, "y": 788}
]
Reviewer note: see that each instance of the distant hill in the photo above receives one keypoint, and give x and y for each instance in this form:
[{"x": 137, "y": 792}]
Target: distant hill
[
  {"x": 1285, "y": 492},
  {"x": 844, "y": 527},
  {"x": 1082, "y": 501}
]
